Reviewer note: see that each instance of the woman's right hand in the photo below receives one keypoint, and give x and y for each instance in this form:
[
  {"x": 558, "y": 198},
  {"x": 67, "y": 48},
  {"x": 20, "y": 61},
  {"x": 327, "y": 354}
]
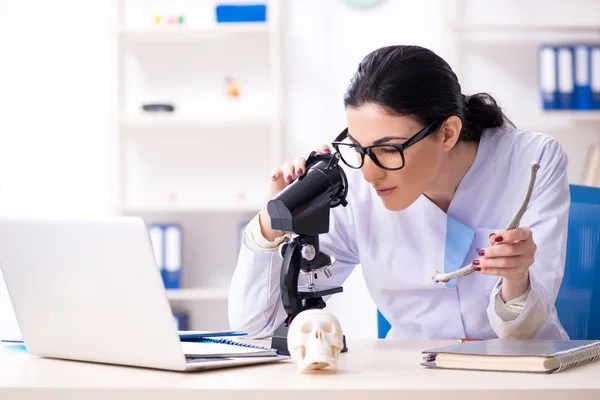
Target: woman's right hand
[{"x": 280, "y": 178}]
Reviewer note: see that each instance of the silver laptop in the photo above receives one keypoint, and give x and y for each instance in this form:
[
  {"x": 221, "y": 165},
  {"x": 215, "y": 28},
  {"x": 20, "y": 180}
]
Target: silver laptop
[{"x": 90, "y": 290}]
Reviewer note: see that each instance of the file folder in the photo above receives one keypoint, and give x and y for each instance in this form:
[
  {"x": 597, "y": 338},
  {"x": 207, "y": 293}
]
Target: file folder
[
  {"x": 583, "y": 90},
  {"x": 173, "y": 256},
  {"x": 548, "y": 77},
  {"x": 566, "y": 85},
  {"x": 595, "y": 76},
  {"x": 158, "y": 244}
]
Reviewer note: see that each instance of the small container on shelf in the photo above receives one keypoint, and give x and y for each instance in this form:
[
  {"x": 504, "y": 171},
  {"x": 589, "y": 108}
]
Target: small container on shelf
[{"x": 236, "y": 13}]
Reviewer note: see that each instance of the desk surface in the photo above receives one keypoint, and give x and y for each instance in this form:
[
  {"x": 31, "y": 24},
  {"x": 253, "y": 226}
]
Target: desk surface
[{"x": 371, "y": 369}]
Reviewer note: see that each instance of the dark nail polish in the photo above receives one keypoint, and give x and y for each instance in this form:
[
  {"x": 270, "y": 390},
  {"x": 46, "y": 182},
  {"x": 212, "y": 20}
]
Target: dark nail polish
[
  {"x": 299, "y": 171},
  {"x": 288, "y": 178},
  {"x": 481, "y": 253},
  {"x": 499, "y": 239},
  {"x": 475, "y": 262},
  {"x": 326, "y": 150},
  {"x": 477, "y": 269}
]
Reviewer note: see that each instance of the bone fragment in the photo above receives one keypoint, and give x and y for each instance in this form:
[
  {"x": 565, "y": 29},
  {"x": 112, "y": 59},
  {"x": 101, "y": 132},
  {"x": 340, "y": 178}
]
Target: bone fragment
[{"x": 469, "y": 269}]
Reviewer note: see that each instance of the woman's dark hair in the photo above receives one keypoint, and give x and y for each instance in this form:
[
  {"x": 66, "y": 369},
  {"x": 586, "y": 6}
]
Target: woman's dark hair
[{"x": 414, "y": 81}]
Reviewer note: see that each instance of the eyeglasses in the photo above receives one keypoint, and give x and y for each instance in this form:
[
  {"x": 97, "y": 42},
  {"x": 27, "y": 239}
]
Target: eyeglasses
[{"x": 386, "y": 156}]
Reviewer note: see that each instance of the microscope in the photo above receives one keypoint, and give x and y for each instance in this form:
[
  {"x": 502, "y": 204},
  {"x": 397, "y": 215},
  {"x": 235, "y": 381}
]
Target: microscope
[{"x": 303, "y": 209}]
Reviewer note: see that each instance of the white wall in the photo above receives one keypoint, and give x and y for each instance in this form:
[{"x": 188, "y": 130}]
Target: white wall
[{"x": 54, "y": 88}]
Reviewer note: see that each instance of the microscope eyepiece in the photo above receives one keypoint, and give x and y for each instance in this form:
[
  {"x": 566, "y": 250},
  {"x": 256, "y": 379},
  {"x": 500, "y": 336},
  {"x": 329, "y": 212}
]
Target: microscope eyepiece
[{"x": 303, "y": 206}]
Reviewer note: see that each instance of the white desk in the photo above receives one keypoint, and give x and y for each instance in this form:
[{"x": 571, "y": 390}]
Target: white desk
[{"x": 372, "y": 369}]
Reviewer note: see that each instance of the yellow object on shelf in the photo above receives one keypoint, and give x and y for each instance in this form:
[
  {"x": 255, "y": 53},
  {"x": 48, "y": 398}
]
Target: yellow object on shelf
[
  {"x": 157, "y": 19},
  {"x": 233, "y": 89}
]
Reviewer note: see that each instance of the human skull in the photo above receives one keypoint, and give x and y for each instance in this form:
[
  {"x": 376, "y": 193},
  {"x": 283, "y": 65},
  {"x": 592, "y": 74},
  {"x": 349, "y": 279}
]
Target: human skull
[{"x": 315, "y": 340}]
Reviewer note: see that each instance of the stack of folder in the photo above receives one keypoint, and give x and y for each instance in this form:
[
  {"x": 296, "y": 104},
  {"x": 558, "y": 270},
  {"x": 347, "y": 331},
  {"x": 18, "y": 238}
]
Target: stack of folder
[
  {"x": 167, "y": 244},
  {"x": 569, "y": 76}
]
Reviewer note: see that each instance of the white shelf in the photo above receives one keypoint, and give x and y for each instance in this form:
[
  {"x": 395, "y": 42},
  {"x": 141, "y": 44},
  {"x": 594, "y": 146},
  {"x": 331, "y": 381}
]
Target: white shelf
[
  {"x": 585, "y": 115},
  {"x": 197, "y": 294},
  {"x": 554, "y": 117},
  {"x": 494, "y": 28},
  {"x": 176, "y": 122},
  {"x": 170, "y": 209},
  {"x": 193, "y": 34}
]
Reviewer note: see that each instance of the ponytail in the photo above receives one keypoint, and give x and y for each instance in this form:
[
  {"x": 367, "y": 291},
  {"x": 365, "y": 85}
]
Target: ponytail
[{"x": 481, "y": 111}]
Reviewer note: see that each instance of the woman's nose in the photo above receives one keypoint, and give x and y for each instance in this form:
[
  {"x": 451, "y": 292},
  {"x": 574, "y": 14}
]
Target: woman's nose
[{"x": 372, "y": 172}]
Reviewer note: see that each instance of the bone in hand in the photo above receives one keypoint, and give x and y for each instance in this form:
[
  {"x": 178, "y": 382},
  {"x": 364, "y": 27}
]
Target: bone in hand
[{"x": 469, "y": 269}]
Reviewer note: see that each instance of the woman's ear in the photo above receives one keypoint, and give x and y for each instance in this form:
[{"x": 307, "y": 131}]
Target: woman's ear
[{"x": 450, "y": 132}]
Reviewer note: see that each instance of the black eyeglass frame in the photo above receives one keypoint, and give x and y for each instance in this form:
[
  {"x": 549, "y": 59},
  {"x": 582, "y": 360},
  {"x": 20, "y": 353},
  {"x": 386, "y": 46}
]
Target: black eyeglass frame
[{"x": 422, "y": 134}]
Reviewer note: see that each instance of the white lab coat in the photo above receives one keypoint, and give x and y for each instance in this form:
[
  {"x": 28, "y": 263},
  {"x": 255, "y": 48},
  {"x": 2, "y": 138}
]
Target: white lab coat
[{"x": 400, "y": 251}]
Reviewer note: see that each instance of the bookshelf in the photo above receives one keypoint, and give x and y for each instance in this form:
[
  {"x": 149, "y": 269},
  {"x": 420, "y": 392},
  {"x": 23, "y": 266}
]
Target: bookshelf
[
  {"x": 493, "y": 47},
  {"x": 205, "y": 164}
]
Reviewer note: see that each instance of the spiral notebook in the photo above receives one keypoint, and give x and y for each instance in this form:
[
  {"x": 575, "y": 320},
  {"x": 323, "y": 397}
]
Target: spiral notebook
[
  {"x": 514, "y": 355},
  {"x": 214, "y": 348}
]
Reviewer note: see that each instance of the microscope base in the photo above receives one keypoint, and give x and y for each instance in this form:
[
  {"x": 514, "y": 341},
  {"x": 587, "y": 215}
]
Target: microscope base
[{"x": 279, "y": 340}]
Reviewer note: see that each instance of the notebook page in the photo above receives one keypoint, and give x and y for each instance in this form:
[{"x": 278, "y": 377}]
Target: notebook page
[{"x": 213, "y": 349}]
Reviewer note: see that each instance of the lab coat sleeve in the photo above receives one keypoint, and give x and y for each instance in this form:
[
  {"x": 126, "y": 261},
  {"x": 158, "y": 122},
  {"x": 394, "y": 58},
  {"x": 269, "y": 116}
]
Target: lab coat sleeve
[
  {"x": 547, "y": 217},
  {"x": 255, "y": 304}
]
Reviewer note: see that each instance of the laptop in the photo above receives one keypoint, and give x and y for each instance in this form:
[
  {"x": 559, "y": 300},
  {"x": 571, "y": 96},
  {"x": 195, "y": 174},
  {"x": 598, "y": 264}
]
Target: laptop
[{"x": 90, "y": 290}]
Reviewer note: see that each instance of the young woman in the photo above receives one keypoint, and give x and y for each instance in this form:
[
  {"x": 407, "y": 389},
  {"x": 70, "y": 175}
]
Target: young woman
[{"x": 434, "y": 178}]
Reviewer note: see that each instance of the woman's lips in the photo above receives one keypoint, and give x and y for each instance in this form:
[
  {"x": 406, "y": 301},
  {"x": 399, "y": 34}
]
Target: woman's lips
[{"x": 385, "y": 192}]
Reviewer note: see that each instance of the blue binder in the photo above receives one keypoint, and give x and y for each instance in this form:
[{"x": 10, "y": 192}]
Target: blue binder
[
  {"x": 566, "y": 77},
  {"x": 595, "y": 76},
  {"x": 173, "y": 256},
  {"x": 548, "y": 76},
  {"x": 158, "y": 244},
  {"x": 583, "y": 90}
]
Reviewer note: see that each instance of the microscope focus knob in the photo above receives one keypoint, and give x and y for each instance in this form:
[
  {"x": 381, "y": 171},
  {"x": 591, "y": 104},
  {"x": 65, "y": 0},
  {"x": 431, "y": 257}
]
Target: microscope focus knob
[{"x": 308, "y": 252}]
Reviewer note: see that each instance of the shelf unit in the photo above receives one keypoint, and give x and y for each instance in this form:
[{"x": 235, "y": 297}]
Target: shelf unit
[
  {"x": 204, "y": 166},
  {"x": 493, "y": 48}
]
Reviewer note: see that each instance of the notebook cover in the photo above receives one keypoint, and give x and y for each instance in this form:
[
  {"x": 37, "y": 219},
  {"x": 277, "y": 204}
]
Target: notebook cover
[
  {"x": 511, "y": 347},
  {"x": 191, "y": 335}
]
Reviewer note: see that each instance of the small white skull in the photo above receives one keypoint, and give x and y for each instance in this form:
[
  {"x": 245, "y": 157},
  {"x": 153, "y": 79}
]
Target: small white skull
[{"x": 315, "y": 340}]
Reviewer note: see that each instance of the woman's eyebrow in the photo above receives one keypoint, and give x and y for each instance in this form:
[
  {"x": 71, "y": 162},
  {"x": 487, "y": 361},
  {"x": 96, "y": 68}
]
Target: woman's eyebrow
[
  {"x": 379, "y": 141},
  {"x": 387, "y": 139}
]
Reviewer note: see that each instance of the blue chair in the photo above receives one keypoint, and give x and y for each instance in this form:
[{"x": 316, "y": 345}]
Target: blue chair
[{"x": 578, "y": 300}]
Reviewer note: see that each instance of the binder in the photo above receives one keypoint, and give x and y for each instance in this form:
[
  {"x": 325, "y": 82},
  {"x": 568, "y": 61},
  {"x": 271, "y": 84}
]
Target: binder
[
  {"x": 595, "y": 76},
  {"x": 173, "y": 256},
  {"x": 181, "y": 321},
  {"x": 548, "y": 77},
  {"x": 566, "y": 75},
  {"x": 583, "y": 90},
  {"x": 158, "y": 244}
]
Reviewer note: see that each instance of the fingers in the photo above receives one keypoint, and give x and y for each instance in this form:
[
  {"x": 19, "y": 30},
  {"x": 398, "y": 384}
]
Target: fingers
[
  {"x": 323, "y": 149},
  {"x": 506, "y": 250},
  {"x": 485, "y": 263},
  {"x": 513, "y": 235},
  {"x": 288, "y": 172},
  {"x": 299, "y": 165}
]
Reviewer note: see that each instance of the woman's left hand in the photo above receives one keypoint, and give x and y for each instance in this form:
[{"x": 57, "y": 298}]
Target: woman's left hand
[{"x": 510, "y": 257}]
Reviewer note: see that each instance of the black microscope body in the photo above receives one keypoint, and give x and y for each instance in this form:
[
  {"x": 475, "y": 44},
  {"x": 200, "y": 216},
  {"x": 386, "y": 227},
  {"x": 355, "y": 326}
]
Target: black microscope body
[{"x": 303, "y": 209}]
